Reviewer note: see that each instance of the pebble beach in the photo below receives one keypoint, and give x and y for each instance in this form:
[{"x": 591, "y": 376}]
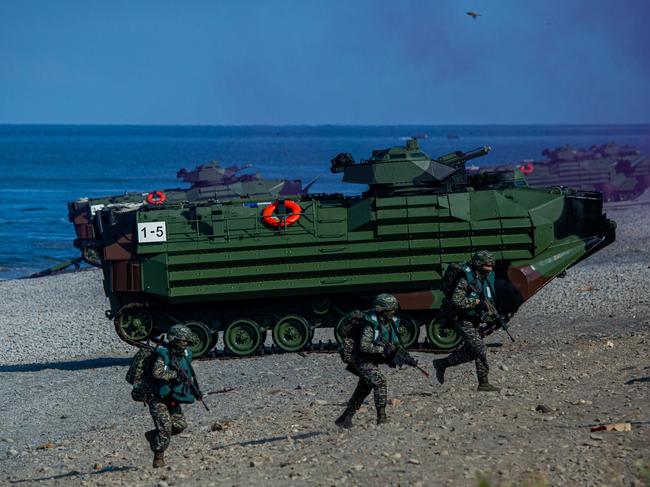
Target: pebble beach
[{"x": 582, "y": 351}]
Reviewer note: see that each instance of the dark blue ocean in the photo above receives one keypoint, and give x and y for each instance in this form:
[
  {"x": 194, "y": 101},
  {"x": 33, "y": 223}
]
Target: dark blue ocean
[{"x": 43, "y": 167}]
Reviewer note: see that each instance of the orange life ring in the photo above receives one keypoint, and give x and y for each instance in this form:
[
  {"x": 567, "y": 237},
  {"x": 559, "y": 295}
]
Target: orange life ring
[
  {"x": 527, "y": 168},
  {"x": 156, "y": 198},
  {"x": 274, "y": 221}
]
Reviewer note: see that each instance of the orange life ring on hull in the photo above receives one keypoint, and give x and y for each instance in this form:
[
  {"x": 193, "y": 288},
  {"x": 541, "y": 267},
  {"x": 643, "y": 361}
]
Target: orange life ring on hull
[
  {"x": 527, "y": 168},
  {"x": 274, "y": 221},
  {"x": 156, "y": 198}
]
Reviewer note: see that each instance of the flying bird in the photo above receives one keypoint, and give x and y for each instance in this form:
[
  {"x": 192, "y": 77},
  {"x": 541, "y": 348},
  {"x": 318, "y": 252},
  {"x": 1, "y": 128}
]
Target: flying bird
[{"x": 473, "y": 14}]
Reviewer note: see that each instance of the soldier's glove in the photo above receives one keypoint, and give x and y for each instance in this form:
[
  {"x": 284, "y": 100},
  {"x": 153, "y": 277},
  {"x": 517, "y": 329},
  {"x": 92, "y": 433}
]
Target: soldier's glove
[{"x": 481, "y": 307}]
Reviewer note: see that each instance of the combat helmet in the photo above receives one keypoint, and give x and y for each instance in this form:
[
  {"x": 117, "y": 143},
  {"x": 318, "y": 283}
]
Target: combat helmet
[
  {"x": 481, "y": 258},
  {"x": 180, "y": 332},
  {"x": 385, "y": 302}
]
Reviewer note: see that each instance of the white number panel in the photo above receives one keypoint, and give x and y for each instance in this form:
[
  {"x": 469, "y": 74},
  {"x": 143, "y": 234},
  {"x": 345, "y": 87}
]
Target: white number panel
[
  {"x": 151, "y": 232},
  {"x": 95, "y": 208}
]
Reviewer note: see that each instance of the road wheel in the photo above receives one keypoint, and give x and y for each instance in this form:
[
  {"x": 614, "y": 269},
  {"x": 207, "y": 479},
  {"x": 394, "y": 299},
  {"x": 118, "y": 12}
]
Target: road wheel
[
  {"x": 337, "y": 329},
  {"x": 442, "y": 335},
  {"x": 203, "y": 343},
  {"x": 291, "y": 333},
  {"x": 242, "y": 337},
  {"x": 133, "y": 324},
  {"x": 409, "y": 331}
]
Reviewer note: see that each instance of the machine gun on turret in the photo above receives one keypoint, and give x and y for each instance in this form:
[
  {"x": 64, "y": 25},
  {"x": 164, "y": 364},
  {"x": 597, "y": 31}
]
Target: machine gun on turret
[{"x": 458, "y": 158}]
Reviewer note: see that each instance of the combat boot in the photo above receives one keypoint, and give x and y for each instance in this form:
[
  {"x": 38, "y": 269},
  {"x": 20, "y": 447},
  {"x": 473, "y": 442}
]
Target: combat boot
[
  {"x": 485, "y": 386},
  {"x": 158, "y": 459},
  {"x": 440, "y": 365},
  {"x": 345, "y": 420},
  {"x": 381, "y": 416}
]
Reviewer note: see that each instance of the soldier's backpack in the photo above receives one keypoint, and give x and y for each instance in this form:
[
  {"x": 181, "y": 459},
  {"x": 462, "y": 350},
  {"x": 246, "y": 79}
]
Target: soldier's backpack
[
  {"x": 139, "y": 374},
  {"x": 450, "y": 278},
  {"x": 350, "y": 334}
]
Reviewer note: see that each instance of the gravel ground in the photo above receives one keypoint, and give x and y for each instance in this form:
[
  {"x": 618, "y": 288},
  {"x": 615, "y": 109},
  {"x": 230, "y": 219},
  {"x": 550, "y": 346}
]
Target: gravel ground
[
  {"x": 582, "y": 351},
  {"x": 55, "y": 318}
]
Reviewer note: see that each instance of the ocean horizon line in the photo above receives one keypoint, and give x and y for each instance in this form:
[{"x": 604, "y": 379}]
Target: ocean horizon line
[{"x": 398, "y": 125}]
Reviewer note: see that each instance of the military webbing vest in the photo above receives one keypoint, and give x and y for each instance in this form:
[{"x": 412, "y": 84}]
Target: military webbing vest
[
  {"x": 485, "y": 286},
  {"x": 176, "y": 389},
  {"x": 388, "y": 334}
]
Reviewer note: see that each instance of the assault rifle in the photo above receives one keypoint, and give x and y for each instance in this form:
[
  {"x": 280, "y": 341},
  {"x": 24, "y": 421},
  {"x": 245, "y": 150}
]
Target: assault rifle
[
  {"x": 399, "y": 357},
  {"x": 191, "y": 382},
  {"x": 492, "y": 311}
]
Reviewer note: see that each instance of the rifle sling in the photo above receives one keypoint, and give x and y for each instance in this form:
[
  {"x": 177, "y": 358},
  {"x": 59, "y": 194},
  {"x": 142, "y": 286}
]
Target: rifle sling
[{"x": 196, "y": 382}]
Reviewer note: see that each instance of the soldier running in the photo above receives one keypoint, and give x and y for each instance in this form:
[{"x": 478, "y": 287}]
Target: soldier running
[
  {"x": 170, "y": 391},
  {"x": 467, "y": 311},
  {"x": 378, "y": 341}
]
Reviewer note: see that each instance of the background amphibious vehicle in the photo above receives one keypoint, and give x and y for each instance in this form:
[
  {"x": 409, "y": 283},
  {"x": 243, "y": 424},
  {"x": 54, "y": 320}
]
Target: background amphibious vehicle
[
  {"x": 619, "y": 172},
  {"x": 207, "y": 182},
  {"x": 248, "y": 266}
]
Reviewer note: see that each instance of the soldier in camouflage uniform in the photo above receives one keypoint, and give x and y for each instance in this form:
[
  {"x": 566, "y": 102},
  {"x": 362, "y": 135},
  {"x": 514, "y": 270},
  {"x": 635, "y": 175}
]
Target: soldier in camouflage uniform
[
  {"x": 468, "y": 311},
  {"x": 378, "y": 341},
  {"x": 170, "y": 391}
]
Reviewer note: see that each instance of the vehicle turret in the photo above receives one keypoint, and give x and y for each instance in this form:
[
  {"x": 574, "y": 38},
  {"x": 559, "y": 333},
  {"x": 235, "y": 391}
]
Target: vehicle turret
[
  {"x": 407, "y": 169},
  {"x": 212, "y": 174}
]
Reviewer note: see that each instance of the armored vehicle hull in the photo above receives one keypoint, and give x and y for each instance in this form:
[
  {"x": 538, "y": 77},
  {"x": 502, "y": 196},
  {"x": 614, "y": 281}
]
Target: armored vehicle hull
[
  {"x": 235, "y": 268},
  {"x": 207, "y": 182}
]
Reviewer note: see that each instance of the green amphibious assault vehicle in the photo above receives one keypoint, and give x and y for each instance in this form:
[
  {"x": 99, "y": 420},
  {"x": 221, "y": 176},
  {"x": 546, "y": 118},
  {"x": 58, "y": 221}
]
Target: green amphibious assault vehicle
[
  {"x": 247, "y": 266},
  {"x": 207, "y": 182}
]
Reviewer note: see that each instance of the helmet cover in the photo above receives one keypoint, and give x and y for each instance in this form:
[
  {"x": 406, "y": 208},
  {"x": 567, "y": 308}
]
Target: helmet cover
[{"x": 385, "y": 302}]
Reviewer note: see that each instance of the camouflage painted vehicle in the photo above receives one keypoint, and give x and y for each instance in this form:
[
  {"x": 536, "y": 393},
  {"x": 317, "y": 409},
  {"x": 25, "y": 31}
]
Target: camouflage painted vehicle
[
  {"x": 619, "y": 172},
  {"x": 207, "y": 182},
  {"x": 247, "y": 266}
]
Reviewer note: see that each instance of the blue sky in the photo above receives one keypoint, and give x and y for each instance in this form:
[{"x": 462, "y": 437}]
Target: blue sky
[{"x": 320, "y": 62}]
